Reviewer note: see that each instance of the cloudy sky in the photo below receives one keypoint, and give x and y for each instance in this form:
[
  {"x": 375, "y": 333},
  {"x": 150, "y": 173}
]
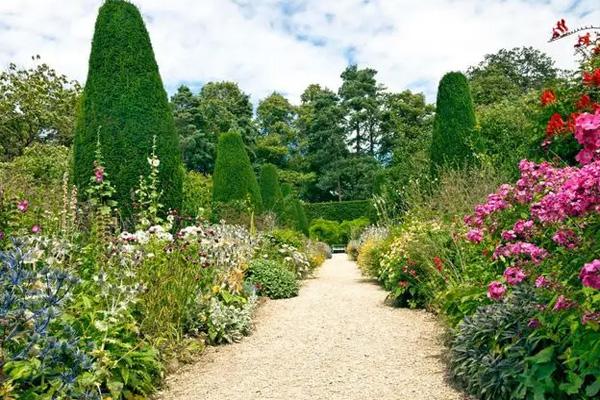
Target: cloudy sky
[{"x": 284, "y": 45}]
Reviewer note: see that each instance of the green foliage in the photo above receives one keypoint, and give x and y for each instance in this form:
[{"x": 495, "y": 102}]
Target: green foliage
[
  {"x": 230, "y": 319},
  {"x": 510, "y": 73},
  {"x": 270, "y": 190},
  {"x": 289, "y": 236},
  {"x": 36, "y": 105},
  {"x": 300, "y": 219},
  {"x": 197, "y": 195},
  {"x": 272, "y": 279},
  {"x": 352, "y": 178},
  {"x": 340, "y": 210},
  {"x": 327, "y": 231},
  {"x": 234, "y": 179},
  {"x": 352, "y": 229},
  {"x": 124, "y": 102},
  {"x": 489, "y": 350},
  {"x": 454, "y": 124}
]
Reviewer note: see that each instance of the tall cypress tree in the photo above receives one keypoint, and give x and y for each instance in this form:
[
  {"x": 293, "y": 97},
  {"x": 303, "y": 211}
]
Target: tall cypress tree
[
  {"x": 125, "y": 104},
  {"x": 234, "y": 178},
  {"x": 454, "y": 123},
  {"x": 270, "y": 191}
]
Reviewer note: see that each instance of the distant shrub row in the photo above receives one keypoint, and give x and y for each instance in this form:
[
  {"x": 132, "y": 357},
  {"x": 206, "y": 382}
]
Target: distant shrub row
[{"x": 341, "y": 210}]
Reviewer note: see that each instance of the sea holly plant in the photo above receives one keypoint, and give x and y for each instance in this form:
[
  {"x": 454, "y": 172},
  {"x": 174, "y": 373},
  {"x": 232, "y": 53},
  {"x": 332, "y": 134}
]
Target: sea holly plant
[{"x": 148, "y": 195}]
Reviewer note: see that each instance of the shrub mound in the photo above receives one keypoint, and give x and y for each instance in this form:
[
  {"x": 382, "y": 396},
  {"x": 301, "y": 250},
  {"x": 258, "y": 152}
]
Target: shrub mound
[{"x": 272, "y": 279}]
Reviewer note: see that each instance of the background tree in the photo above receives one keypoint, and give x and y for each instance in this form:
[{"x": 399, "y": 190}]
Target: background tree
[
  {"x": 36, "y": 105},
  {"x": 351, "y": 178},
  {"x": 278, "y": 137},
  {"x": 234, "y": 179},
  {"x": 508, "y": 73},
  {"x": 360, "y": 101},
  {"x": 454, "y": 123},
  {"x": 197, "y": 147},
  {"x": 125, "y": 104},
  {"x": 321, "y": 127}
]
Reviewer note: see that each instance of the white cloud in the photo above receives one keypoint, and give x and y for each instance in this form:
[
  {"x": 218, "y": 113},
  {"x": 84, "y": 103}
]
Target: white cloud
[{"x": 281, "y": 45}]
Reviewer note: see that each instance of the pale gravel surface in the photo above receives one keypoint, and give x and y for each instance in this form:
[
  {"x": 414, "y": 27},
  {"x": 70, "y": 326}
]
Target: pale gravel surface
[{"x": 337, "y": 340}]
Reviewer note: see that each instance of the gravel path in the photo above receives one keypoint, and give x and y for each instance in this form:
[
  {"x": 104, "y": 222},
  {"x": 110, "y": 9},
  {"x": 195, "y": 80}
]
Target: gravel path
[{"x": 337, "y": 340}]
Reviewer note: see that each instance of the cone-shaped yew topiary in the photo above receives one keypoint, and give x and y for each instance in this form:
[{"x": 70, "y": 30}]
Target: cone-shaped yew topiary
[
  {"x": 270, "y": 191},
  {"x": 234, "y": 179},
  {"x": 125, "y": 104},
  {"x": 454, "y": 123},
  {"x": 301, "y": 220}
]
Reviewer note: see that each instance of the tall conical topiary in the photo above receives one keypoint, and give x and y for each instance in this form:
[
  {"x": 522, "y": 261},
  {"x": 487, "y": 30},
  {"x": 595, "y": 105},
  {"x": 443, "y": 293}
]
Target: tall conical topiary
[
  {"x": 301, "y": 220},
  {"x": 454, "y": 123},
  {"x": 234, "y": 178},
  {"x": 270, "y": 191},
  {"x": 125, "y": 104}
]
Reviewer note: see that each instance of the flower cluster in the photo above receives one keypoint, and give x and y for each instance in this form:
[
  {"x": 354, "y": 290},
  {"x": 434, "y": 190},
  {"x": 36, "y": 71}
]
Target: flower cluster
[
  {"x": 517, "y": 249},
  {"x": 587, "y": 133},
  {"x": 590, "y": 274}
]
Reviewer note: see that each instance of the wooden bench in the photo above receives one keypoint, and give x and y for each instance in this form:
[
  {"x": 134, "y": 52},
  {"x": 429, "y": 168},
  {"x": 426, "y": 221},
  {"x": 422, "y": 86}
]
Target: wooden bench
[{"x": 338, "y": 248}]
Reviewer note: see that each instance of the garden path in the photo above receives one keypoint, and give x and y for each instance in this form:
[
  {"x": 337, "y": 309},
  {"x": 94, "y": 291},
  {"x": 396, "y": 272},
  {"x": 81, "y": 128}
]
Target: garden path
[{"x": 336, "y": 340}]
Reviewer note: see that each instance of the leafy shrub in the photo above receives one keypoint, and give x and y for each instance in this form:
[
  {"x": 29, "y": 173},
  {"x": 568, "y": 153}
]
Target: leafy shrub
[
  {"x": 454, "y": 123},
  {"x": 317, "y": 253},
  {"x": 289, "y": 237},
  {"x": 124, "y": 104},
  {"x": 228, "y": 323},
  {"x": 340, "y": 210},
  {"x": 272, "y": 279},
  {"x": 299, "y": 217},
  {"x": 234, "y": 179},
  {"x": 197, "y": 195},
  {"x": 325, "y": 231},
  {"x": 490, "y": 347},
  {"x": 352, "y": 249},
  {"x": 351, "y": 230}
]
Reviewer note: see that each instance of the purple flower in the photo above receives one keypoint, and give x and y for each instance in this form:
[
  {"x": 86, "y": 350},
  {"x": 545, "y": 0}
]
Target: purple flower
[
  {"x": 541, "y": 281},
  {"x": 496, "y": 290},
  {"x": 36, "y": 229},
  {"x": 562, "y": 303},
  {"x": 566, "y": 238},
  {"x": 534, "y": 323},
  {"x": 1, "y": 235},
  {"x": 23, "y": 205},
  {"x": 514, "y": 275},
  {"x": 475, "y": 235},
  {"x": 590, "y": 274}
]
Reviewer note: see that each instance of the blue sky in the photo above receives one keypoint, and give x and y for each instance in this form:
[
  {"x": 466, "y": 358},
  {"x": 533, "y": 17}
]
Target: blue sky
[{"x": 284, "y": 45}]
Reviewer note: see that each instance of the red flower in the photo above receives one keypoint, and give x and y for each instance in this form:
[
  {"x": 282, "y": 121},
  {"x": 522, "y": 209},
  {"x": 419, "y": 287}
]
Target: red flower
[
  {"x": 583, "y": 102},
  {"x": 555, "y": 125},
  {"x": 547, "y": 97},
  {"x": 583, "y": 40},
  {"x": 571, "y": 123},
  {"x": 559, "y": 29},
  {"x": 592, "y": 78},
  {"x": 439, "y": 263},
  {"x": 403, "y": 284}
]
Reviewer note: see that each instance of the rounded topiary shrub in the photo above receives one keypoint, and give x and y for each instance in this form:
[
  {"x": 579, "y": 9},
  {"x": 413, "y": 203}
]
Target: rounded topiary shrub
[
  {"x": 272, "y": 279},
  {"x": 325, "y": 231},
  {"x": 124, "y": 103},
  {"x": 454, "y": 123},
  {"x": 270, "y": 191},
  {"x": 234, "y": 179}
]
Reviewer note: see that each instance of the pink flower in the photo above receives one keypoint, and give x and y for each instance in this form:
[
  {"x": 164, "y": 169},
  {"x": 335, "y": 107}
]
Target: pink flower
[
  {"x": 534, "y": 253},
  {"x": 36, "y": 229},
  {"x": 496, "y": 290},
  {"x": 587, "y": 133},
  {"x": 541, "y": 281},
  {"x": 562, "y": 303},
  {"x": 475, "y": 235},
  {"x": 509, "y": 235},
  {"x": 590, "y": 274},
  {"x": 99, "y": 173},
  {"x": 23, "y": 205},
  {"x": 514, "y": 275},
  {"x": 566, "y": 238},
  {"x": 590, "y": 316}
]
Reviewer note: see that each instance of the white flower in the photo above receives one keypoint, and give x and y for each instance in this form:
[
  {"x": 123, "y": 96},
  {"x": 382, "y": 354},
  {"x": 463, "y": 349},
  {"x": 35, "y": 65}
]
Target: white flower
[{"x": 155, "y": 162}]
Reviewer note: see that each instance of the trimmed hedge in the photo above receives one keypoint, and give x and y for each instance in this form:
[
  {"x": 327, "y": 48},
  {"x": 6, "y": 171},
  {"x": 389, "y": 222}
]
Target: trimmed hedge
[
  {"x": 234, "y": 178},
  {"x": 125, "y": 103},
  {"x": 341, "y": 210},
  {"x": 454, "y": 123}
]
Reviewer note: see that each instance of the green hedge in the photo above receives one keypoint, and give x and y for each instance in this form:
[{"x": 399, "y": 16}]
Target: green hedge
[{"x": 341, "y": 210}]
